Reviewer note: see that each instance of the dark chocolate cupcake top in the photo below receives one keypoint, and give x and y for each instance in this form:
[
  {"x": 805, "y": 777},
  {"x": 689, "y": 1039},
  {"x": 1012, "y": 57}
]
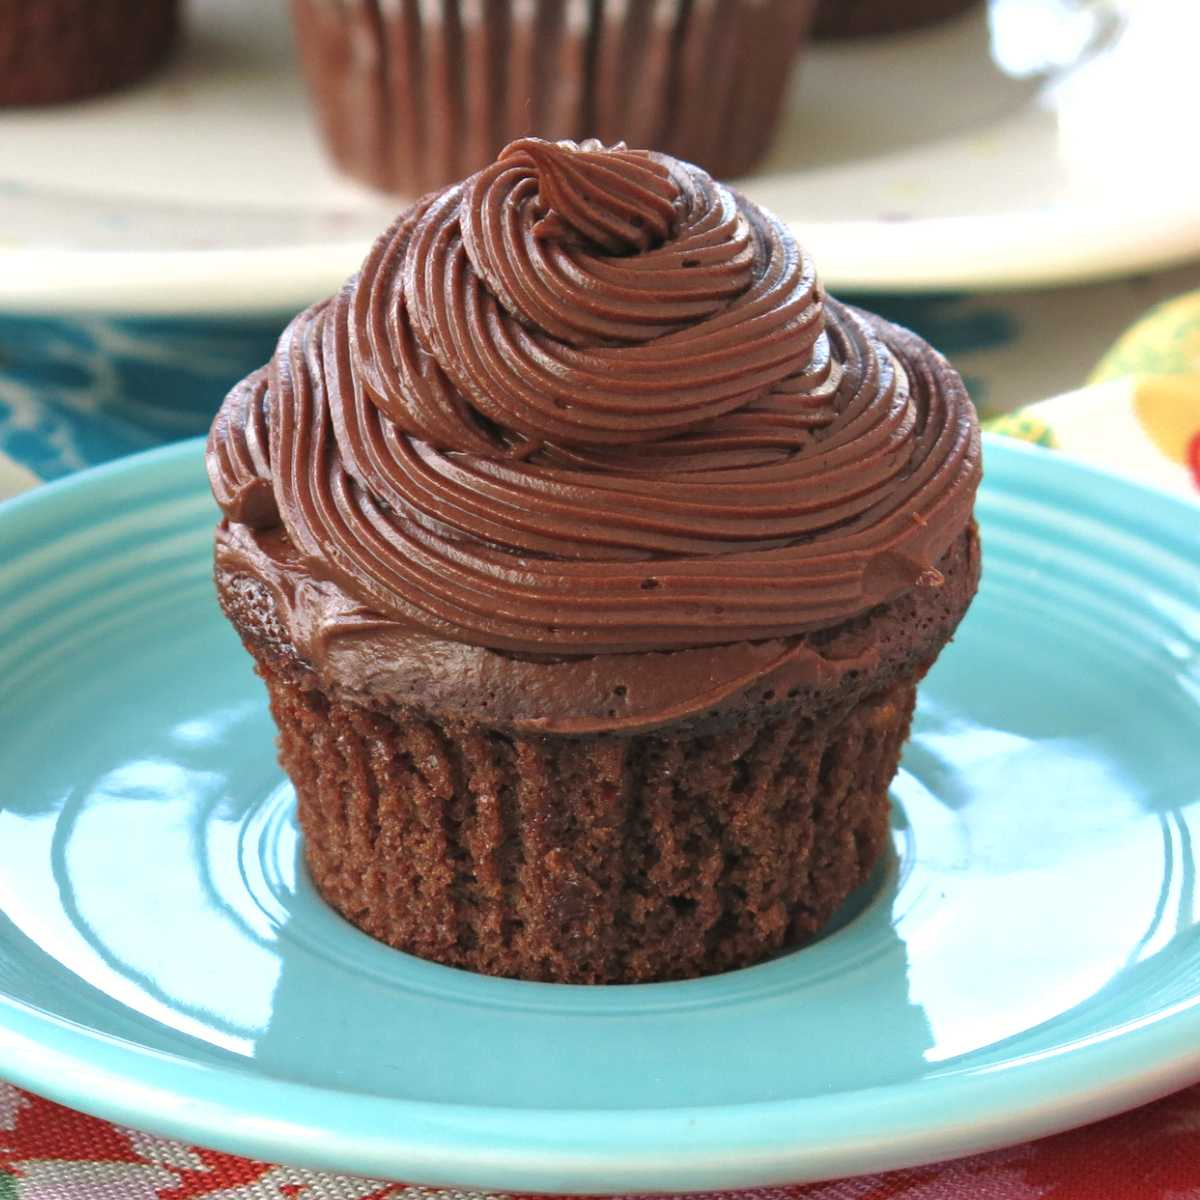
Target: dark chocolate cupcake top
[{"x": 592, "y": 402}]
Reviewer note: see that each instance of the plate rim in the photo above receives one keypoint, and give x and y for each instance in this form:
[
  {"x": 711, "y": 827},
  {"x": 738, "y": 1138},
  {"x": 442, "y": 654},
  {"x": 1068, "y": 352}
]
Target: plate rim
[
  {"x": 738, "y": 1145},
  {"x": 770, "y": 1143}
]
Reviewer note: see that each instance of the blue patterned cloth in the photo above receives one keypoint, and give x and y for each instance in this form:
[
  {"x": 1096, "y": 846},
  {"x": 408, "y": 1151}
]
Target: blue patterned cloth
[{"x": 77, "y": 392}]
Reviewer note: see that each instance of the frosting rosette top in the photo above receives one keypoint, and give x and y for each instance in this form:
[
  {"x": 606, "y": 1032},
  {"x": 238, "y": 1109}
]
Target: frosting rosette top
[{"x": 591, "y": 402}]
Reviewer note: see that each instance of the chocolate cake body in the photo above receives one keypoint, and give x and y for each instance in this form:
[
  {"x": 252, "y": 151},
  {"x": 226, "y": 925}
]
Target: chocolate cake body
[
  {"x": 412, "y": 96},
  {"x": 591, "y": 555},
  {"x": 464, "y": 836},
  {"x": 52, "y": 51}
]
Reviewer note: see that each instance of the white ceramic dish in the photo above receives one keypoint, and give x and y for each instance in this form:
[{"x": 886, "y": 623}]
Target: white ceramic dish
[{"x": 1030, "y": 142}]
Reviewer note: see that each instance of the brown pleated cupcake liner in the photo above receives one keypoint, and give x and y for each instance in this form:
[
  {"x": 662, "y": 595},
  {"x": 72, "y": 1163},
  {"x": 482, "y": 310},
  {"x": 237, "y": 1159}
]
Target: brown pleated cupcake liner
[
  {"x": 863, "y": 18},
  {"x": 414, "y": 94},
  {"x": 57, "y": 50},
  {"x": 585, "y": 859}
]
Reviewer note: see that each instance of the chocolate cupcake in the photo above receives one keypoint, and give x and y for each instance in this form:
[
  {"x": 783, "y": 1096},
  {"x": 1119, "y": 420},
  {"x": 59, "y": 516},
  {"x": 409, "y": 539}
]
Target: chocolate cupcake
[
  {"x": 410, "y": 96},
  {"x": 863, "y": 18},
  {"x": 57, "y": 50},
  {"x": 591, "y": 555}
]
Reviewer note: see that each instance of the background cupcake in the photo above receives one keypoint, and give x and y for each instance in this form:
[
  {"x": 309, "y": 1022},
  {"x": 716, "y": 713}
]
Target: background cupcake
[
  {"x": 861, "y": 18},
  {"x": 591, "y": 556},
  {"x": 57, "y": 50},
  {"x": 412, "y": 96}
]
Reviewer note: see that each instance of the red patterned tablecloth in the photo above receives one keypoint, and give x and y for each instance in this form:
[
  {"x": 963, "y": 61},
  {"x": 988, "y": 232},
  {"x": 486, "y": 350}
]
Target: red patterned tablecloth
[{"x": 48, "y": 1152}]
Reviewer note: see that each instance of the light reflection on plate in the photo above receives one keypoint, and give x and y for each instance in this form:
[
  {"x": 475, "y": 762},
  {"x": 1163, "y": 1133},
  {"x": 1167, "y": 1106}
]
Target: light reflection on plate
[{"x": 1027, "y": 958}]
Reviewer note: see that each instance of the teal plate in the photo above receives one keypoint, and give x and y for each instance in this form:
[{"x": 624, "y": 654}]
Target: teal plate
[{"x": 1028, "y": 958}]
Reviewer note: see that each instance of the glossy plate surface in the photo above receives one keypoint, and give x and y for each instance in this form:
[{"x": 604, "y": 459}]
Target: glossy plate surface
[
  {"x": 1028, "y": 958},
  {"x": 1028, "y": 142}
]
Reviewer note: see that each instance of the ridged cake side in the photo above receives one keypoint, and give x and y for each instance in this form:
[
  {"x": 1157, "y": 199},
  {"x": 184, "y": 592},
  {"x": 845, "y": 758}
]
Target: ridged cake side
[{"x": 586, "y": 860}]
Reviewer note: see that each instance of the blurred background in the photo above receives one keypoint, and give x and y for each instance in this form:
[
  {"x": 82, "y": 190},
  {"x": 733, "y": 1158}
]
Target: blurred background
[{"x": 1012, "y": 179}]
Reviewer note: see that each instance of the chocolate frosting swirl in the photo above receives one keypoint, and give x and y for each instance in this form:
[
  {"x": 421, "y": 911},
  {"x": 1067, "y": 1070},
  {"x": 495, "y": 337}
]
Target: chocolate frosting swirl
[{"x": 592, "y": 402}]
